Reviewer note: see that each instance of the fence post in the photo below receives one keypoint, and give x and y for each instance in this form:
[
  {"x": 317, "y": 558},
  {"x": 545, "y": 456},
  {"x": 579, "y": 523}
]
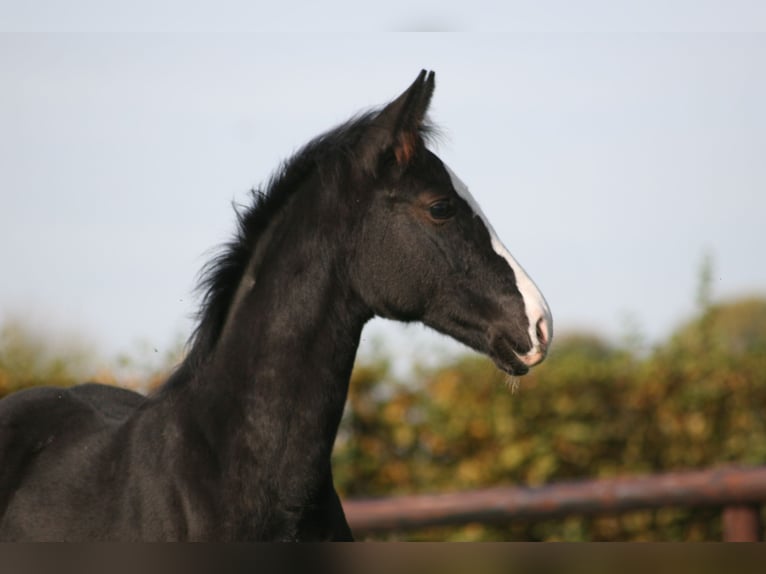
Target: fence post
[{"x": 742, "y": 523}]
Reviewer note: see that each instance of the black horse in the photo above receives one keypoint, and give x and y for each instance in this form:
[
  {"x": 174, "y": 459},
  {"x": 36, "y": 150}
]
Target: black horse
[{"x": 236, "y": 445}]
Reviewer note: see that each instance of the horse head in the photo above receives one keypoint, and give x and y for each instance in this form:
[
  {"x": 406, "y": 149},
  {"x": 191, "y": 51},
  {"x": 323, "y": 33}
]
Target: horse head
[{"x": 426, "y": 252}]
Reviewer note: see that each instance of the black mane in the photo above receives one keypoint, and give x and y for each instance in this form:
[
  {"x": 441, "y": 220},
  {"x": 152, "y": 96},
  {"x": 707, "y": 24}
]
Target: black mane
[{"x": 331, "y": 155}]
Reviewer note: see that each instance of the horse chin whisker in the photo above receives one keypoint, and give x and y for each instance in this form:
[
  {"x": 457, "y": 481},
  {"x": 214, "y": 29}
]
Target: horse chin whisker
[{"x": 512, "y": 382}]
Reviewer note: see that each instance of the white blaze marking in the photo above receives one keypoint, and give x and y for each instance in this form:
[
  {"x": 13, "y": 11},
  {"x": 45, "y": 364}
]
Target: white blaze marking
[{"x": 534, "y": 303}]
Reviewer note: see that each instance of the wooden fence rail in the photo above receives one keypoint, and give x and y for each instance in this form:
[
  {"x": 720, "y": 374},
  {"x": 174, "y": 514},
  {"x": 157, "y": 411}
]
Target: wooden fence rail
[{"x": 738, "y": 491}]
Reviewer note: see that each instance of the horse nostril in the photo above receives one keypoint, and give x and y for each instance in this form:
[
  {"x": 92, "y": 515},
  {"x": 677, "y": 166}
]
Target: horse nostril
[{"x": 542, "y": 332}]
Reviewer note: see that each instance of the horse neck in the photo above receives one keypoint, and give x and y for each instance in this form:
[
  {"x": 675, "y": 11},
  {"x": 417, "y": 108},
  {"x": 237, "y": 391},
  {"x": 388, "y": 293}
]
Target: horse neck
[{"x": 272, "y": 392}]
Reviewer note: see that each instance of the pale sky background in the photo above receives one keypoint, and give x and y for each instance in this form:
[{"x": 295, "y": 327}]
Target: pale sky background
[{"x": 610, "y": 148}]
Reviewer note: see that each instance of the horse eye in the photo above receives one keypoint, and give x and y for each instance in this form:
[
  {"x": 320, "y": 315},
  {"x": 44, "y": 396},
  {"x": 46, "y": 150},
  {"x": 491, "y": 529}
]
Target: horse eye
[{"x": 443, "y": 209}]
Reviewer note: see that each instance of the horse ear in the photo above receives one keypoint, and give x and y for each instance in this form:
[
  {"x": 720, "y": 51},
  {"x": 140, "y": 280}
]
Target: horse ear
[{"x": 397, "y": 127}]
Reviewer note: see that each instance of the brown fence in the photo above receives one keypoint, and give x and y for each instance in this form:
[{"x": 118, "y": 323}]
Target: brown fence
[{"x": 739, "y": 492}]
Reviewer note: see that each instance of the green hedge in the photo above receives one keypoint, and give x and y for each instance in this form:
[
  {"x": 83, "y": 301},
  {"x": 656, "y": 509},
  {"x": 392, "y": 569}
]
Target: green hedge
[{"x": 592, "y": 410}]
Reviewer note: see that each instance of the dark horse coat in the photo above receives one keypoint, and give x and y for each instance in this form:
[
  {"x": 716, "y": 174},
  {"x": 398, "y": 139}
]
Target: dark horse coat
[{"x": 236, "y": 445}]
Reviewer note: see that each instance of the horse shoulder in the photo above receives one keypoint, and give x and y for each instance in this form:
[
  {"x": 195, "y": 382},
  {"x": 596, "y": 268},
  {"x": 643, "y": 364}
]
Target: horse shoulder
[
  {"x": 36, "y": 422},
  {"x": 33, "y": 419},
  {"x": 34, "y": 412},
  {"x": 111, "y": 403}
]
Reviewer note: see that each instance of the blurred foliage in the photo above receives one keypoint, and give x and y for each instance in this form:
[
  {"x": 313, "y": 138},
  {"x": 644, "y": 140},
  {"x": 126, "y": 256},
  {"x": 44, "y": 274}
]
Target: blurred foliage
[
  {"x": 594, "y": 409},
  {"x": 31, "y": 357},
  {"x": 28, "y": 358}
]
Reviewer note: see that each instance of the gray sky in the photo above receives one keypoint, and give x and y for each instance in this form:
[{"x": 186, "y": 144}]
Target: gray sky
[{"x": 608, "y": 162}]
